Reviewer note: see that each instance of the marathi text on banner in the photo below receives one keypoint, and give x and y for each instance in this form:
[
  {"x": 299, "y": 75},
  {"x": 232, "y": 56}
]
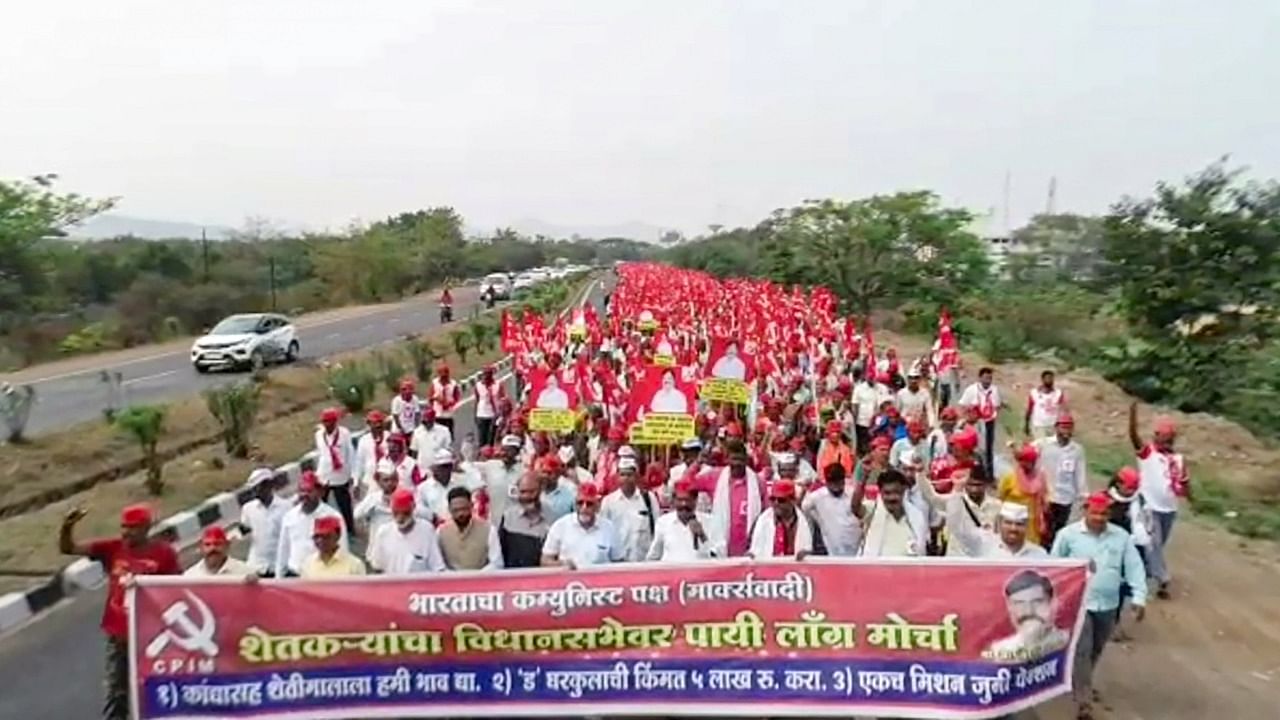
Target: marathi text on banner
[
  {"x": 662, "y": 429},
  {"x": 548, "y": 420},
  {"x": 812, "y": 638},
  {"x": 725, "y": 390}
]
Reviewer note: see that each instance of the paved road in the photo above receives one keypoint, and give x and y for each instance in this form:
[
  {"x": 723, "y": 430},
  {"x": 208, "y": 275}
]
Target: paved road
[
  {"x": 51, "y": 668},
  {"x": 67, "y": 398}
]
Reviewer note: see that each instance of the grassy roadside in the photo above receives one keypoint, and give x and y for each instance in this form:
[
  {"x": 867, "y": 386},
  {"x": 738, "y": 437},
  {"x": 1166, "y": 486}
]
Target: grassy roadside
[
  {"x": 1215, "y": 499},
  {"x": 30, "y": 539}
]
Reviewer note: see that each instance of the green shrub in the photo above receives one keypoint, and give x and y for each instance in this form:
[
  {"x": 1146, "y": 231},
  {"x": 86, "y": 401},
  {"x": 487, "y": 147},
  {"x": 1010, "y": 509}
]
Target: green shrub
[
  {"x": 353, "y": 385},
  {"x": 235, "y": 407},
  {"x": 390, "y": 370},
  {"x": 145, "y": 424}
]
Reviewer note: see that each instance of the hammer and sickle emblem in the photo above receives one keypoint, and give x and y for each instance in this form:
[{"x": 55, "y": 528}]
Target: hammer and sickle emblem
[{"x": 183, "y": 631}]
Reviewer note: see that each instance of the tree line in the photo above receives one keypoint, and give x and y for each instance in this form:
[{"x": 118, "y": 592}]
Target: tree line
[
  {"x": 1171, "y": 296},
  {"x": 61, "y": 297}
]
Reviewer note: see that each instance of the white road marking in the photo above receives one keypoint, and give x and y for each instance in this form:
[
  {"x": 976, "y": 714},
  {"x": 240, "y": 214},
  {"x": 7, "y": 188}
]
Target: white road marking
[
  {"x": 145, "y": 378},
  {"x": 331, "y": 336}
]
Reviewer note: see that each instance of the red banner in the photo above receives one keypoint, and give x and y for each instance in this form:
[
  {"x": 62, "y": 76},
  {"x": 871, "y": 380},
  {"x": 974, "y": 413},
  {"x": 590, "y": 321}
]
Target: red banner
[{"x": 928, "y": 638}]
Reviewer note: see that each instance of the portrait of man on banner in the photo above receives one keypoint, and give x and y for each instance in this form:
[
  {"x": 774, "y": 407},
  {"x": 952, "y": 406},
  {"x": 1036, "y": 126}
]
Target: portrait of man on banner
[
  {"x": 663, "y": 392},
  {"x": 1033, "y": 609},
  {"x": 728, "y": 361},
  {"x": 547, "y": 392}
]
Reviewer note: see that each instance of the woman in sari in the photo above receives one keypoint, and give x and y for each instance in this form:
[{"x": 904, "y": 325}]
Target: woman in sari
[{"x": 1025, "y": 485}]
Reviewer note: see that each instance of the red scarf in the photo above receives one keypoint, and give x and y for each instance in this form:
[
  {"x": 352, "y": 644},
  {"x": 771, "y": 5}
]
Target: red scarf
[
  {"x": 335, "y": 458},
  {"x": 784, "y": 544}
]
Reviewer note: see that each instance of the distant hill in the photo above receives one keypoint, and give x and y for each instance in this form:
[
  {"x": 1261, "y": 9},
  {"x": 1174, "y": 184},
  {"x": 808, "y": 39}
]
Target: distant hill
[{"x": 111, "y": 225}]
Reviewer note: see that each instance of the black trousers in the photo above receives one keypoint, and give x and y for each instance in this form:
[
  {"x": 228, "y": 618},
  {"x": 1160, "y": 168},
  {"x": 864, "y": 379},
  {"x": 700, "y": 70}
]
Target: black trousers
[
  {"x": 989, "y": 427},
  {"x": 1059, "y": 516},
  {"x": 448, "y": 424},
  {"x": 484, "y": 431},
  {"x": 115, "y": 680},
  {"x": 863, "y": 438},
  {"x": 342, "y": 498}
]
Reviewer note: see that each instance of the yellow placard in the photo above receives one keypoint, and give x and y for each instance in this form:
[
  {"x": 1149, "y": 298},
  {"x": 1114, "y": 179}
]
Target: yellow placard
[
  {"x": 547, "y": 420},
  {"x": 662, "y": 429},
  {"x": 577, "y": 332},
  {"x": 664, "y": 360},
  {"x": 647, "y": 325},
  {"x": 725, "y": 390}
]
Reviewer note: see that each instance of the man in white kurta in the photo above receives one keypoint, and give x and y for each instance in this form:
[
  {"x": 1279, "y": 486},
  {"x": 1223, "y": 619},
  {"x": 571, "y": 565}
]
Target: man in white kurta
[
  {"x": 406, "y": 545},
  {"x": 632, "y": 510},
  {"x": 781, "y": 531},
  {"x": 684, "y": 535}
]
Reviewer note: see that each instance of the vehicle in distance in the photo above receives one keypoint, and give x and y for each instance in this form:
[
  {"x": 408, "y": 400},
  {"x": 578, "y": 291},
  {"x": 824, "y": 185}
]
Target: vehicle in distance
[
  {"x": 246, "y": 341},
  {"x": 500, "y": 284}
]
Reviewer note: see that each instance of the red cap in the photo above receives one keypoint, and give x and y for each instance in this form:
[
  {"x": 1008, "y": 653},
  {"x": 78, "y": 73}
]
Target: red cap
[
  {"x": 402, "y": 500},
  {"x": 138, "y": 515},
  {"x": 327, "y": 525},
  {"x": 834, "y": 426},
  {"x": 967, "y": 439},
  {"x": 396, "y": 438},
  {"x": 762, "y": 425},
  {"x": 308, "y": 481},
  {"x": 1129, "y": 478},
  {"x": 429, "y": 413},
  {"x": 1064, "y": 418},
  {"x": 949, "y": 413},
  {"x": 733, "y": 429},
  {"x": 1098, "y": 501},
  {"x": 683, "y": 487},
  {"x": 1027, "y": 454},
  {"x": 617, "y": 433},
  {"x": 442, "y": 368},
  {"x": 915, "y": 424},
  {"x": 891, "y": 411},
  {"x": 1164, "y": 426},
  {"x": 783, "y": 489},
  {"x": 844, "y": 384},
  {"x": 214, "y": 535},
  {"x": 330, "y": 415},
  {"x": 881, "y": 442},
  {"x": 549, "y": 464},
  {"x": 375, "y": 417},
  {"x": 588, "y": 492}
]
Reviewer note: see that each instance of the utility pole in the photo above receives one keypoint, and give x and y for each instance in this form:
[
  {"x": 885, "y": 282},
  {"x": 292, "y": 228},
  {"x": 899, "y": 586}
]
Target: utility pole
[
  {"x": 271, "y": 263},
  {"x": 1051, "y": 205},
  {"x": 1008, "y": 182},
  {"x": 204, "y": 249}
]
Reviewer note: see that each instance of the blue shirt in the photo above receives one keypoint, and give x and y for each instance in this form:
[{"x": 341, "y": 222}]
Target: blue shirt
[
  {"x": 1115, "y": 562},
  {"x": 559, "y": 502}
]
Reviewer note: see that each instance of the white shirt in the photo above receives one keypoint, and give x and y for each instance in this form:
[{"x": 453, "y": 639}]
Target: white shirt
[
  {"x": 367, "y": 457},
  {"x": 1156, "y": 471},
  {"x": 916, "y": 404},
  {"x": 632, "y": 517},
  {"x": 426, "y": 441},
  {"x": 263, "y": 523},
  {"x": 502, "y": 482},
  {"x": 296, "y": 542},
  {"x": 433, "y": 498},
  {"x": 841, "y": 531},
  {"x": 596, "y": 545},
  {"x": 762, "y": 535},
  {"x": 865, "y": 400},
  {"x": 399, "y": 553},
  {"x": 405, "y": 413},
  {"x": 673, "y": 541},
  {"x": 373, "y": 510},
  {"x": 994, "y": 547},
  {"x": 345, "y": 450},
  {"x": 1066, "y": 469},
  {"x": 986, "y": 399},
  {"x": 1045, "y": 406},
  {"x": 447, "y": 392},
  {"x": 230, "y": 566},
  {"x": 486, "y": 400}
]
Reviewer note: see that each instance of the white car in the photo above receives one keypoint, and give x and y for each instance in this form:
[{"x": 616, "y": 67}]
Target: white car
[
  {"x": 500, "y": 284},
  {"x": 246, "y": 341}
]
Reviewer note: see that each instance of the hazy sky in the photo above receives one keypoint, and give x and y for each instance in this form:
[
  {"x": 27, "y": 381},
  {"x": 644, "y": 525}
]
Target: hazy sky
[{"x": 674, "y": 112}]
